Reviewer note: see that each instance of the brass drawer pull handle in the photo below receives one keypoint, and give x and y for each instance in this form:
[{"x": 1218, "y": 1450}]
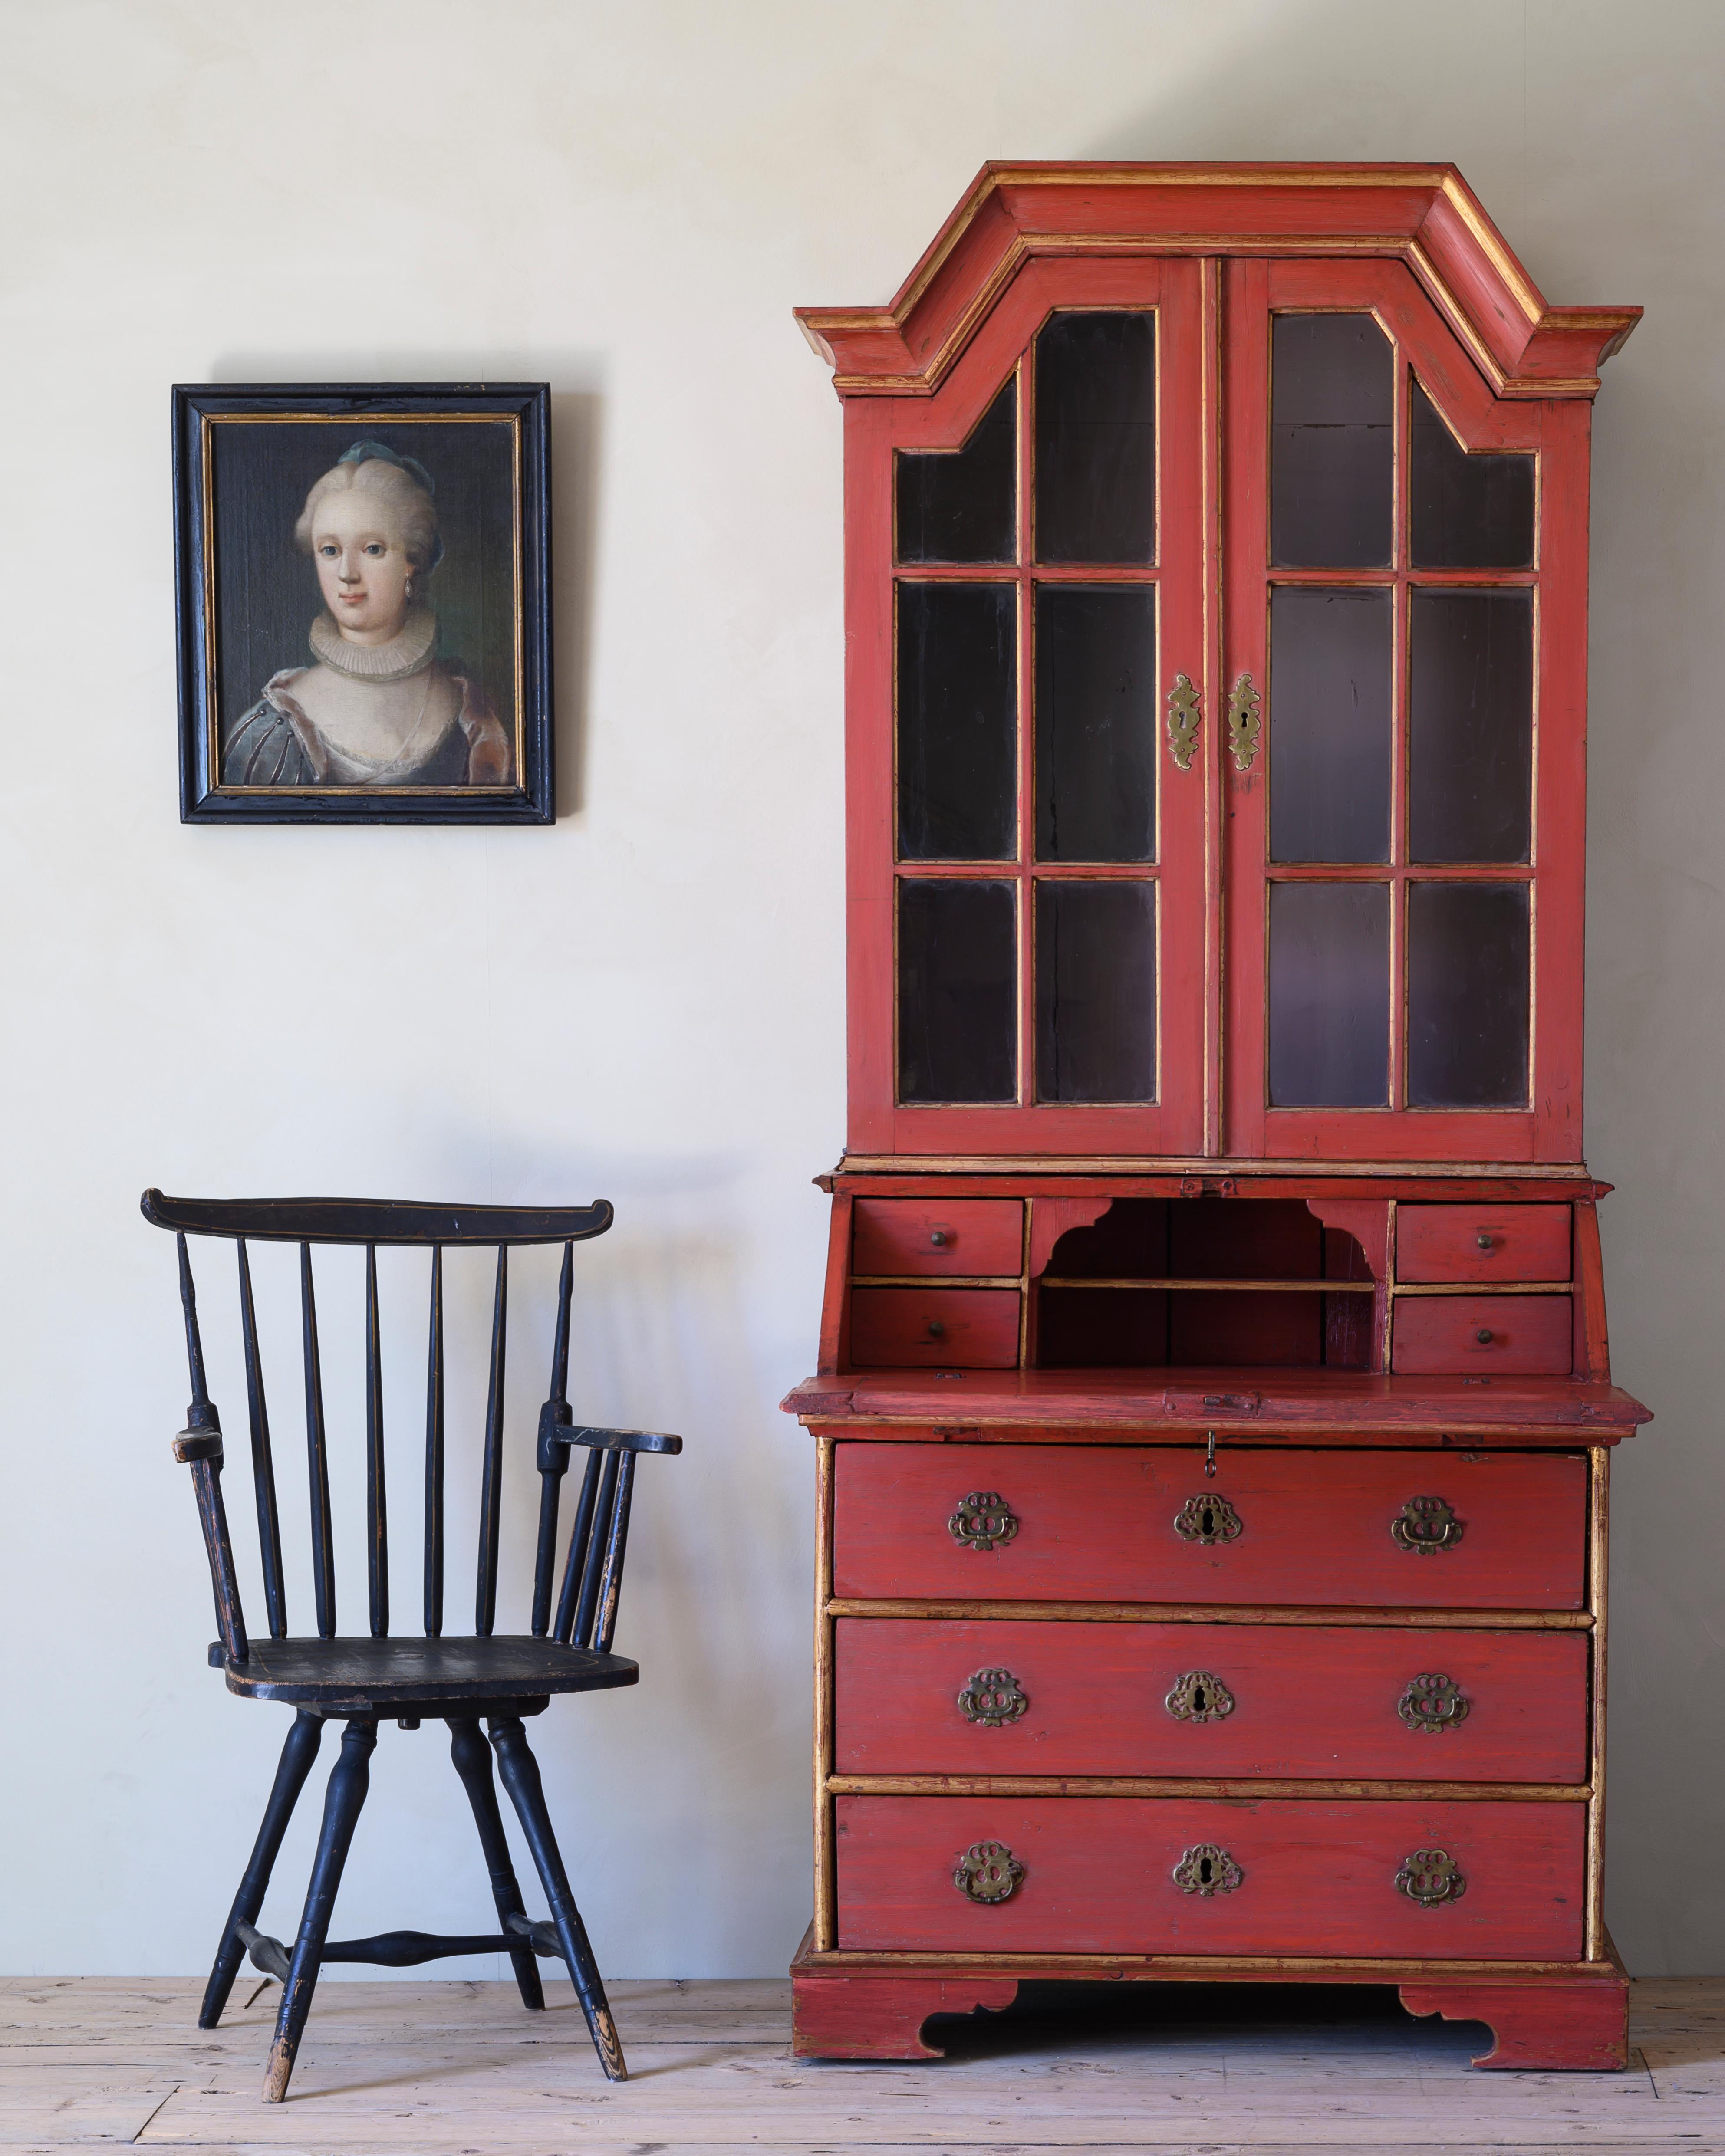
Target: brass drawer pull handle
[
  {"x": 992, "y": 1698},
  {"x": 1208, "y": 1870},
  {"x": 1430, "y": 1876},
  {"x": 1207, "y": 1521},
  {"x": 1434, "y": 1703},
  {"x": 982, "y": 1521},
  {"x": 1426, "y": 1524},
  {"x": 987, "y": 1872},
  {"x": 1184, "y": 717},
  {"x": 1198, "y": 1696}
]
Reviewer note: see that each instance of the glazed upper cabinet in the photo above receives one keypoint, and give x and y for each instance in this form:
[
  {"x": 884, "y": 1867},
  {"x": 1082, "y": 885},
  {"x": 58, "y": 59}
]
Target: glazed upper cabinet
[{"x": 1217, "y": 618}]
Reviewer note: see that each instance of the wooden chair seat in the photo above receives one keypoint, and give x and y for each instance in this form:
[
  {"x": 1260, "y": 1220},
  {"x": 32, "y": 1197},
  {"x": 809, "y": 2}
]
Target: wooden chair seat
[{"x": 444, "y": 1677}]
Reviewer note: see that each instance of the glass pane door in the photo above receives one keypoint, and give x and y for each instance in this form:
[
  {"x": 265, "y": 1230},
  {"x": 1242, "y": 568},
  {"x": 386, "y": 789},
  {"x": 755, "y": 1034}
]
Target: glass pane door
[
  {"x": 1046, "y": 880},
  {"x": 1381, "y": 597}
]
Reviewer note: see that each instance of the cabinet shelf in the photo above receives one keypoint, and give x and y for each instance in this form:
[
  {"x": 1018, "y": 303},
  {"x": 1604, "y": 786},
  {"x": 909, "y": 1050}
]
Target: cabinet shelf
[{"x": 1184, "y": 1286}]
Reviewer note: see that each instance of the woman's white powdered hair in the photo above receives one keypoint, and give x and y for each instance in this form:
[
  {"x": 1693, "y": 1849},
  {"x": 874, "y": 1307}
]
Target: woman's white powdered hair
[{"x": 403, "y": 504}]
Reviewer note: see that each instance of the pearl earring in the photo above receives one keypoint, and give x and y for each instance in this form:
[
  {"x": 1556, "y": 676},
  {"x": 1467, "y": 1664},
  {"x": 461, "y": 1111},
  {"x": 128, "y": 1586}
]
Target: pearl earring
[{"x": 407, "y": 589}]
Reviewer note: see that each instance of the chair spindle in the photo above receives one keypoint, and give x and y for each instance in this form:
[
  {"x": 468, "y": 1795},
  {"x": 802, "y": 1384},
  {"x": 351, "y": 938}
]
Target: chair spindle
[
  {"x": 317, "y": 1460},
  {"x": 592, "y": 1568},
  {"x": 491, "y": 1484},
  {"x": 263, "y": 1463},
  {"x": 616, "y": 1544},
  {"x": 377, "y": 1504},
  {"x": 553, "y": 1452},
  {"x": 565, "y": 1626},
  {"x": 434, "y": 1454},
  {"x": 199, "y": 1447}
]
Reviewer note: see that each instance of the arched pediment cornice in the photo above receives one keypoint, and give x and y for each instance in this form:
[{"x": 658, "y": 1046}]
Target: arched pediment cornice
[{"x": 1425, "y": 215}]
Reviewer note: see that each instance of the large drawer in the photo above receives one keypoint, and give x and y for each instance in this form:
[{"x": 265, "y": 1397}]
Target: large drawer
[
  {"x": 979, "y": 1696},
  {"x": 1410, "y": 1529},
  {"x": 1283, "y": 1876}
]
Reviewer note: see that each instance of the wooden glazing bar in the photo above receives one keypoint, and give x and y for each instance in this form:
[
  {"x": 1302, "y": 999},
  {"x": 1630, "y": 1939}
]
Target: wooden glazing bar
[
  {"x": 1214, "y": 1785},
  {"x": 377, "y": 1499},
  {"x": 616, "y": 1546},
  {"x": 553, "y": 1457},
  {"x": 587, "y": 1609},
  {"x": 1202, "y": 1613},
  {"x": 825, "y": 1888},
  {"x": 1215, "y": 693},
  {"x": 434, "y": 1453},
  {"x": 491, "y": 1476},
  {"x": 573, "y": 1563},
  {"x": 317, "y": 1462},
  {"x": 263, "y": 1463},
  {"x": 1599, "y": 1521}
]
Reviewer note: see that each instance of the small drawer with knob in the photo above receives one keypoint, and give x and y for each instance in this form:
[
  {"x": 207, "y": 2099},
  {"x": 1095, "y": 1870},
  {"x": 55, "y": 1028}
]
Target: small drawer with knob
[
  {"x": 965, "y": 1328},
  {"x": 1340, "y": 1529},
  {"x": 977, "y": 1238},
  {"x": 1520, "y": 1335},
  {"x": 1030, "y": 1696},
  {"x": 1416, "y": 1878},
  {"x": 1487, "y": 1242}
]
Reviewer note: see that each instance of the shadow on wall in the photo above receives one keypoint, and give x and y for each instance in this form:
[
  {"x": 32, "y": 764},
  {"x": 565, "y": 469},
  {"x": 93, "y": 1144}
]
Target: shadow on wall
[
  {"x": 716, "y": 1572},
  {"x": 1604, "y": 165},
  {"x": 577, "y": 421}
]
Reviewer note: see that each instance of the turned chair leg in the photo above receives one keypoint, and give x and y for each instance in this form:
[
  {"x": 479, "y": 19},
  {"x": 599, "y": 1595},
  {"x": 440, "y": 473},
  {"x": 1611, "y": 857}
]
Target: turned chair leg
[
  {"x": 472, "y": 1756},
  {"x": 297, "y": 1755},
  {"x": 521, "y": 1777},
  {"x": 349, "y": 1780}
]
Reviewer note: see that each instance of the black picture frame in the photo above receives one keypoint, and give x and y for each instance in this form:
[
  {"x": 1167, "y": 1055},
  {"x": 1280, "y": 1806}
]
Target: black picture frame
[{"x": 245, "y": 457}]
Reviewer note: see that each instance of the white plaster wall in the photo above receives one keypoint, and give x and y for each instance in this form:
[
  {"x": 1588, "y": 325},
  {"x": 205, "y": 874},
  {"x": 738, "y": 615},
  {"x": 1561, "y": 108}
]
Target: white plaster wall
[{"x": 645, "y": 1001}]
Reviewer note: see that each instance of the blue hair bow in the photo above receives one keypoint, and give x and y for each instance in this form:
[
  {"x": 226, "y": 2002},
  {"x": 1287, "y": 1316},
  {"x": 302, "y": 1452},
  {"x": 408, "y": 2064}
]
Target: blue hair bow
[{"x": 361, "y": 453}]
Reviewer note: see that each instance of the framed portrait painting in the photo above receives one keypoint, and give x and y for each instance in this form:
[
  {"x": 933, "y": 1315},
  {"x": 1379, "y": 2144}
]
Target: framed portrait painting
[{"x": 363, "y": 588}]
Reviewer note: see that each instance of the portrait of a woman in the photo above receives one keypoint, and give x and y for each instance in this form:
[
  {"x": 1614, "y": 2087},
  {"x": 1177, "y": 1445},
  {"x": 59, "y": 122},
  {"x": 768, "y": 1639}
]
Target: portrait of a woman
[{"x": 379, "y": 706}]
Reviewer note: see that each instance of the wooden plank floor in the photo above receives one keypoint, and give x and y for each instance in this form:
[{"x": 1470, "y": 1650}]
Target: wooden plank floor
[{"x": 89, "y": 2062}]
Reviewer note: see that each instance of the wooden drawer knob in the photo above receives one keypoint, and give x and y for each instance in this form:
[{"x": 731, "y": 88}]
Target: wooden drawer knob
[
  {"x": 1431, "y": 1877},
  {"x": 939, "y": 1237},
  {"x": 1484, "y": 1336},
  {"x": 1482, "y": 1241},
  {"x": 937, "y": 1331}
]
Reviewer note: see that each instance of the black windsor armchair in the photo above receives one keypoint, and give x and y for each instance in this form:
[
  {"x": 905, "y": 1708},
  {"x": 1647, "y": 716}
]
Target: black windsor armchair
[{"x": 359, "y": 1680}]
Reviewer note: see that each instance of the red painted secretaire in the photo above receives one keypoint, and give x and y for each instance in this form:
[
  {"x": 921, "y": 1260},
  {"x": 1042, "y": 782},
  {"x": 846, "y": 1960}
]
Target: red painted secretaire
[{"x": 1213, "y": 1411}]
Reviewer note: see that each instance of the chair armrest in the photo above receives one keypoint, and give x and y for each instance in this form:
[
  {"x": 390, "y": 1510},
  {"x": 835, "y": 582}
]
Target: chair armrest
[{"x": 615, "y": 1440}]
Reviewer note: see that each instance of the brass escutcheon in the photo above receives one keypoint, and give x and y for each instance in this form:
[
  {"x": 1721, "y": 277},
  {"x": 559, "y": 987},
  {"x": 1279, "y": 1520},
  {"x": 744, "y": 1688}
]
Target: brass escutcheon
[
  {"x": 1429, "y": 1877},
  {"x": 1433, "y": 1702},
  {"x": 1207, "y": 1521},
  {"x": 1426, "y": 1524},
  {"x": 982, "y": 1521},
  {"x": 1198, "y": 1696},
  {"x": 1245, "y": 722},
  {"x": 987, "y": 1872},
  {"x": 1207, "y": 1869},
  {"x": 1183, "y": 721},
  {"x": 992, "y": 1698}
]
